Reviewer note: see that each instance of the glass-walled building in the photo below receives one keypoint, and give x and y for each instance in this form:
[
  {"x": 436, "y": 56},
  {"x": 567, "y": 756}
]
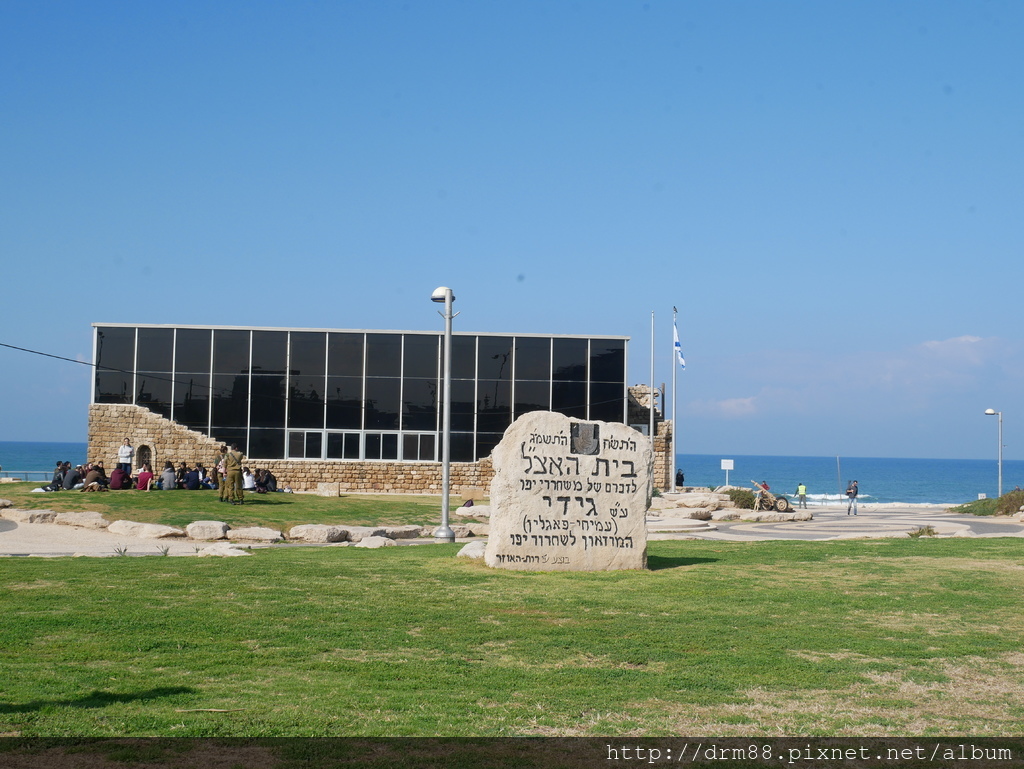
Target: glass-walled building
[{"x": 355, "y": 395}]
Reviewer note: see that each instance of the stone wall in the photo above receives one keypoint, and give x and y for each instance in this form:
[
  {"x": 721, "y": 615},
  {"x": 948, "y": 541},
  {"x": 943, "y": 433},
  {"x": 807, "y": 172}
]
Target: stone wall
[{"x": 110, "y": 423}]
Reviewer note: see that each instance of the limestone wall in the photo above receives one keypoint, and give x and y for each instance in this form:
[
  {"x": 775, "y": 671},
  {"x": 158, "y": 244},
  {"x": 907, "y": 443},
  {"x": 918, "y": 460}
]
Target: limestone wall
[{"x": 110, "y": 423}]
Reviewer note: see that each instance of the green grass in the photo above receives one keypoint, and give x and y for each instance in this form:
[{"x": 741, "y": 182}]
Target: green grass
[
  {"x": 895, "y": 637},
  {"x": 281, "y": 511}
]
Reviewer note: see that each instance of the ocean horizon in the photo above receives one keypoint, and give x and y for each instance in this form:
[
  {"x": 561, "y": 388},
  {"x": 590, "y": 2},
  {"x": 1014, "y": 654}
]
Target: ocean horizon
[{"x": 880, "y": 479}]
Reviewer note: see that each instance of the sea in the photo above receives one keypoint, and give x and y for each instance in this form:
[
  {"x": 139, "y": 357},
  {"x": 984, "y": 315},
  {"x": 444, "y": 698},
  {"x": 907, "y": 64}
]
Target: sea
[{"x": 881, "y": 480}]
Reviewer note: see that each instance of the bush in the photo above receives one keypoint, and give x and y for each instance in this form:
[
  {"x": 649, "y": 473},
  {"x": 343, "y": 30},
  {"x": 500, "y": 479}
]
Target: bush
[
  {"x": 978, "y": 507},
  {"x": 1010, "y": 503},
  {"x": 742, "y": 498}
]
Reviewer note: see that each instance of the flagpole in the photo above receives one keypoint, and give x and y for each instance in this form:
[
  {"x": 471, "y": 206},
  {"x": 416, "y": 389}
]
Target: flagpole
[
  {"x": 651, "y": 426},
  {"x": 675, "y": 418}
]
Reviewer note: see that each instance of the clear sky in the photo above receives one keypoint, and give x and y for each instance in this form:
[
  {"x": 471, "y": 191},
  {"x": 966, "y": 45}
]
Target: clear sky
[{"x": 830, "y": 193}]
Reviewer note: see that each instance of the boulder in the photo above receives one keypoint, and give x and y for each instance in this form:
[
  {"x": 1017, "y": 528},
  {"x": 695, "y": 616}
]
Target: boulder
[
  {"x": 144, "y": 530},
  {"x": 318, "y": 532},
  {"x": 728, "y": 514},
  {"x": 328, "y": 489},
  {"x": 402, "y": 532},
  {"x": 255, "y": 534},
  {"x": 359, "y": 533},
  {"x": 207, "y": 530},
  {"x": 29, "y": 516},
  {"x": 477, "y": 511},
  {"x": 221, "y": 549},
  {"x": 84, "y": 520},
  {"x": 5, "y": 503},
  {"x": 473, "y": 550},
  {"x": 375, "y": 542},
  {"x": 697, "y": 513},
  {"x": 706, "y": 500},
  {"x": 478, "y": 529}
]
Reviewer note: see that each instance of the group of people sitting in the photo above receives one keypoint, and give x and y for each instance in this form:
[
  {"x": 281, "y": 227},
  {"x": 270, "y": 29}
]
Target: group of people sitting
[
  {"x": 87, "y": 477},
  {"x": 93, "y": 477}
]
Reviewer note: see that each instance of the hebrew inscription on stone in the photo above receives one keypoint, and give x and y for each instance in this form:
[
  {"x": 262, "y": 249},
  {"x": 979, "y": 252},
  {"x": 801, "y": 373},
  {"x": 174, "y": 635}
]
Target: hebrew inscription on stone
[{"x": 569, "y": 495}]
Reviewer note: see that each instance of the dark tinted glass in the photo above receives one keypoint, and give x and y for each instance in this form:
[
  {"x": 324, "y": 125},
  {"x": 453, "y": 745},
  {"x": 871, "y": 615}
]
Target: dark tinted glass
[
  {"x": 463, "y": 404},
  {"x": 485, "y": 443},
  {"x": 422, "y": 354},
  {"x": 463, "y": 357},
  {"x": 495, "y": 357},
  {"x": 494, "y": 408},
  {"x": 461, "y": 449},
  {"x": 382, "y": 403},
  {"x": 314, "y": 445},
  {"x": 192, "y": 401},
  {"x": 156, "y": 349},
  {"x": 308, "y": 353},
  {"x": 345, "y": 354},
  {"x": 533, "y": 358},
  {"x": 192, "y": 350},
  {"x": 342, "y": 446},
  {"x": 607, "y": 402},
  {"x": 267, "y": 402},
  {"x": 230, "y": 351},
  {"x": 532, "y": 396},
  {"x": 419, "y": 404},
  {"x": 607, "y": 360},
  {"x": 113, "y": 387},
  {"x": 383, "y": 355},
  {"x": 344, "y": 402},
  {"x": 115, "y": 349},
  {"x": 266, "y": 444},
  {"x": 570, "y": 398},
  {"x": 570, "y": 359},
  {"x": 269, "y": 352},
  {"x": 296, "y": 445},
  {"x": 306, "y": 401},
  {"x": 229, "y": 436},
  {"x": 381, "y": 446},
  {"x": 154, "y": 393},
  {"x": 230, "y": 399}
]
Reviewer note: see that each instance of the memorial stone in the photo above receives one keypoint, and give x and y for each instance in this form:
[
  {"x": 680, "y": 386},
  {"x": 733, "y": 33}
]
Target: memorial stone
[{"x": 569, "y": 495}]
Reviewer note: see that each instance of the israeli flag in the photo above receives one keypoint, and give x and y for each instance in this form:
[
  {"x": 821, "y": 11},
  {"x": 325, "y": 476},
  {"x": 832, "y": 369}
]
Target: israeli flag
[{"x": 679, "y": 348}]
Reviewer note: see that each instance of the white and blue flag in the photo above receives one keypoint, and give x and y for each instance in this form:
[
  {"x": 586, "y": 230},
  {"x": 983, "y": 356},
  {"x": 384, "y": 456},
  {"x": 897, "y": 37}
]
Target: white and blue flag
[{"x": 679, "y": 348}]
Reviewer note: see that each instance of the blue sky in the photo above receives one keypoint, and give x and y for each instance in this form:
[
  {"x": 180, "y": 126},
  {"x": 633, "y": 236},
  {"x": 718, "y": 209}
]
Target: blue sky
[{"x": 830, "y": 193}]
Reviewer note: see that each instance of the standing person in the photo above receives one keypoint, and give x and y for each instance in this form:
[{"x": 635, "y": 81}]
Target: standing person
[
  {"x": 220, "y": 470},
  {"x": 680, "y": 479},
  {"x": 851, "y": 494},
  {"x": 233, "y": 462},
  {"x": 801, "y": 492},
  {"x": 125, "y": 454}
]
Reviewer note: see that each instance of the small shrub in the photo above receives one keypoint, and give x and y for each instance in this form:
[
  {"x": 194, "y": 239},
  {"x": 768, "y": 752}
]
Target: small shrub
[
  {"x": 1010, "y": 503},
  {"x": 923, "y": 531},
  {"x": 977, "y": 507},
  {"x": 742, "y": 498}
]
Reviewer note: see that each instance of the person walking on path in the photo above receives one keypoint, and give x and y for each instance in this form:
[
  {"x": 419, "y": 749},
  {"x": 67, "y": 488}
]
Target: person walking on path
[
  {"x": 233, "y": 463},
  {"x": 801, "y": 492},
  {"x": 851, "y": 494}
]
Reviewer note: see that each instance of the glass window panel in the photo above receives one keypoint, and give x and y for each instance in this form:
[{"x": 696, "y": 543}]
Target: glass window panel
[
  {"x": 532, "y": 396},
  {"x": 267, "y": 401},
  {"x": 192, "y": 350},
  {"x": 608, "y": 360},
  {"x": 419, "y": 404},
  {"x": 461, "y": 449},
  {"x": 154, "y": 393},
  {"x": 113, "y": 387},
  {"x": 266, "y": 444},
  {"x": 463, "y": 404},
  {"x": 570, "y": 398},
  {"x": 373, "y": 445},
  {"x": 156, "y": 349},
  {"x": 422, "y": 356},
  {"x": 389, "y": 446},
  {"x": 344, "y": 402},
  {"x": 314, "y": 445},
  {"x": 495, "y": 357},
  {"x": 308, "y": 354},
  {"x": 410, "y": 447},
  {"x": 192, "y": 401},
  {"x": 533, "y": 358},
  {"x": 383, "y": 355},
  {"x": 382, "y": 403},
  {"x": 343, "y": 445},
  {"x": 230, "y": 351},
  {"x": 230, "y": 399},
  {"x": 570, "y": 359},
  {"x": 463, "y": 357},
  {"x": 306, "y": 401},
  {"x": 115, "y": 349},
  {"x": 269, "y": 352},
  {"x": 297, "y": 445},
  {"x": 232, "y": 437},
  {"x": 345, "y": 355},
  {"x": 485, "y": 443},
  {"x": 607, "y": 402},
  {"x": 428, "y": 447},
  {"x": 494, "y": 408}
]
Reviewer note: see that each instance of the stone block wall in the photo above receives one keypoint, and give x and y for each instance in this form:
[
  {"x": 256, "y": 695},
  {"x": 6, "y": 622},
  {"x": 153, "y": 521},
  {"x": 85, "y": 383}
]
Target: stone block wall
[{"x": 110, "y": 423}]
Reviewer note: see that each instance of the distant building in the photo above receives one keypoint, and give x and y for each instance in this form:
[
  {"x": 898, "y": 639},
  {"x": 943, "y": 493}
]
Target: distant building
[{"x": 357, "y": 408}]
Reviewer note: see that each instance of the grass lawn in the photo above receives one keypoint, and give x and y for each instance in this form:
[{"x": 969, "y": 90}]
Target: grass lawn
[
  {"x": 889, "y": 637},
  {"x": 279, "y": 511}
]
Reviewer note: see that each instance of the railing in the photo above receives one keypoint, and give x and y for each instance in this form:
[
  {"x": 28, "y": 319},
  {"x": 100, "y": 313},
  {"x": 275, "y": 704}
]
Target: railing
[{"x": 27, "y": 475}]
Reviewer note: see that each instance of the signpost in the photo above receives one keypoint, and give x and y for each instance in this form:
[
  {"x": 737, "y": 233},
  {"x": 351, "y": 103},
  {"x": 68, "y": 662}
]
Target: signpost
[{"x": 727, "y": 466}]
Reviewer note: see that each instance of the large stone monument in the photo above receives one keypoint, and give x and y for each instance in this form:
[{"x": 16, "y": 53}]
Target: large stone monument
[{"x": 569, "y": 495}]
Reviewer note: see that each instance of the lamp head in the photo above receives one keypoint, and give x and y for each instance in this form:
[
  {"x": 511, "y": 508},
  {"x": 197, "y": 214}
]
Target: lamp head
[
  {"x": 441, "y": 294},
  {"x": 990, "y": 412}
]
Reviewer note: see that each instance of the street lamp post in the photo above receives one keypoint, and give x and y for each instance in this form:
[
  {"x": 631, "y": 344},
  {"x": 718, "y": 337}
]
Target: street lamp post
[
  {"x": 992, "y": 413},
  {"x": 444, "y": 533}
]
